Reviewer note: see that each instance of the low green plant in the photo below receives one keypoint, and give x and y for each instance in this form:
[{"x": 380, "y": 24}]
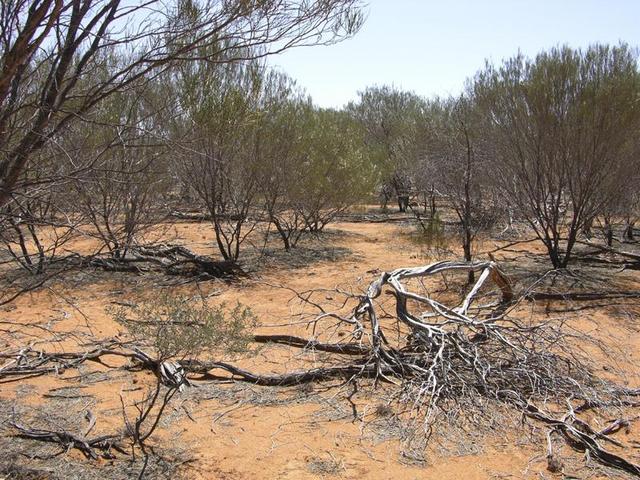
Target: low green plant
[
  {"x": 430, "y": 232},
  {"x": 434, "y": 231},
  {"x": 177, "y": 327}
]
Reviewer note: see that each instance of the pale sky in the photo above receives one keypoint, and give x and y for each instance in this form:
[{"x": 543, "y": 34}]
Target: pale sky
[{"x": 431, "y": 47}]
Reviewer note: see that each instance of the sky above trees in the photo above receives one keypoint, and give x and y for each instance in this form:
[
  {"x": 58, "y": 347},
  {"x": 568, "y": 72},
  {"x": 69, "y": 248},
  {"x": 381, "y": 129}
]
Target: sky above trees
[{"x": 432, "y": 46}]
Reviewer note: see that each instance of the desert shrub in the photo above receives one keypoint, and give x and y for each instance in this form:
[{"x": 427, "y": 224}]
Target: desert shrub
[
  {"x": 176, "y": 326},
  {"x": 430, "y": 232},
  {"x": 38, "y": 222},
  {"x": 561, "y": 124}
]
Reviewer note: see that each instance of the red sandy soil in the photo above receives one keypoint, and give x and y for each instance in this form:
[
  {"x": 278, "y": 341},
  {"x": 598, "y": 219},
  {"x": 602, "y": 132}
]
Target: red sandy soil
[{"x": 234, "y": 438}]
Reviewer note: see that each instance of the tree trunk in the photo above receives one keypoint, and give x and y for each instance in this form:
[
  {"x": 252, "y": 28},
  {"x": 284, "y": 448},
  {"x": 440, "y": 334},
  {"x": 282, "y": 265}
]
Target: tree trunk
[
  {"x": 403, "y": 203},
  {"x": 627, "y": 234},
  {"x": 608, "y": 232},
  {"x": 282, "y": 232},
  {"x": 554, "y": 254},
  {"x": 586, "y": 229},
  {"x": 433, "y": 205},
  {"x": 466, "y": 247}
]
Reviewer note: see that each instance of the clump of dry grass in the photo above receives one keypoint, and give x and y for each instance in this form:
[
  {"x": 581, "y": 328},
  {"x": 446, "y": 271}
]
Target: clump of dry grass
[
  {"x": 383, "y": 410},
  {"x": 329, "y": 465}
]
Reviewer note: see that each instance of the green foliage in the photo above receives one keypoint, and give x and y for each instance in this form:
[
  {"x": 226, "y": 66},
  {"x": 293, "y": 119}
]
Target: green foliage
[
  {"x": 434, "y": 232},
  {"x": 431, "y": 232},
  {"x": 332, "y": 170},
  {"x": 564, "y": 128},
  {"x": 335, "y": 162},
  {"x": 392, "y": 120},
  {"x": 178, "y": 327}
]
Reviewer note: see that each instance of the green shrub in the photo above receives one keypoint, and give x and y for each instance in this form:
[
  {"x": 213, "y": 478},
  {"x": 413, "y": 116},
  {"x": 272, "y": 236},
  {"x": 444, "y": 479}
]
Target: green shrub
[{"x": 179, "y": 327}]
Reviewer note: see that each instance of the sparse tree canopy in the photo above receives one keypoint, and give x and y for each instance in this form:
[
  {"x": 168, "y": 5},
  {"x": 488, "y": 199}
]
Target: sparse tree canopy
[
  {"x": 392, "y": 120},
  {"x": 455, "y": 159},
  {"x": 59, "y": 58},
  {"x": 564, "y": 125}
]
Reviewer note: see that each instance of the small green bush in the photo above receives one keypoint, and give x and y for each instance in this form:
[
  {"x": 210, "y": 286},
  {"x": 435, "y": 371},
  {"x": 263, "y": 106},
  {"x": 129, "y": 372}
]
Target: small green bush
[{"x": 178, "y": 327}]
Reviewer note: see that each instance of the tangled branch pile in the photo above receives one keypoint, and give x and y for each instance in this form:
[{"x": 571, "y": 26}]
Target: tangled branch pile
[
  {"x": 469, "y": 352},
  {"x": 451, "y": 361},
  {"x": 447, "y": 362}
]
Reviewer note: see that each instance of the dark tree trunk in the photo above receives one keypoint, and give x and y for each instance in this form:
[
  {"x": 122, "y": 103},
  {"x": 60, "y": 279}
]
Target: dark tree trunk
[
  {"x": 586, "y": 229},
  {"x": 554, "y": 254},
  {"x": 608, "y": 232},
  {"x": 403, "y": 202},
  {"x": 283, "y": 234},
  {"x": 466, "y": 247},
  {"x": 627, "y": 234},
  {"x": 433, "y": 205}
]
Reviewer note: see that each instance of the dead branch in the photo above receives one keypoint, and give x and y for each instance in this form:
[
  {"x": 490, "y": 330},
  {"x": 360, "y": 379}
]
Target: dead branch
[
  {"x": 191, "y": 216},
  {"x": 345, "y": 348},
  {"x": 170, "y": 260},
  {"x": 32, "y": 362},
  {"x": 282, "y": 380},
  {"x": 89, "y": 447},
  {"x": 614, "y": 251},
  {"x": 373, "y": 218},
  {"x": 573, "y": 431}
]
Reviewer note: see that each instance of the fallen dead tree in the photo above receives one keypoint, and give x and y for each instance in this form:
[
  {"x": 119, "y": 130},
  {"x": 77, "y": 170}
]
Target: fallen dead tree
[
  {"x": 458, "y": 360},
  {"x": 607, "y": 255},
  {"x": 373, "y": 218},
  {"x": 445, "y": 361},
  {"x": 611, "y": 250},
  {"x": 582, "y": 437},
  {"x": 191, "y": 216},
  {"x": 171, "y": 260}
]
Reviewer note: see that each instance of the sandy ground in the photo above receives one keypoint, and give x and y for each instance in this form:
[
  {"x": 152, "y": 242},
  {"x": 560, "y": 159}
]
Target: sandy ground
[{"x": 244, "y": 432}]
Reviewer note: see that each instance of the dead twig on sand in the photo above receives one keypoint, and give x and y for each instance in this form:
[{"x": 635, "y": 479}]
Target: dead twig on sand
[{"x": 446, "y": 362}]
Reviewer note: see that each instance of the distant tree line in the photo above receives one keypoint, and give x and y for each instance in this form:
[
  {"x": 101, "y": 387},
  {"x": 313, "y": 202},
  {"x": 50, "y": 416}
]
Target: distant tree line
[
  {"x": 113, "y": 114},
  {"x": 551, "y": 142},
  {"x": 107, "y": 127}
]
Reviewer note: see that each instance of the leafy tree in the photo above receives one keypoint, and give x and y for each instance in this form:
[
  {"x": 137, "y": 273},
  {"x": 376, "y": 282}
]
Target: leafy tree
[
  {"x": 561, "y": 125},
  {"x": 392, "y": 120},
  {"x": 456, "y": 158},
  {"x": 50, "y": 51},
  {"x": 280, "y": 143},
  {"x": 216, "y": 129},
  {"x": 333, "y": 171}
]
